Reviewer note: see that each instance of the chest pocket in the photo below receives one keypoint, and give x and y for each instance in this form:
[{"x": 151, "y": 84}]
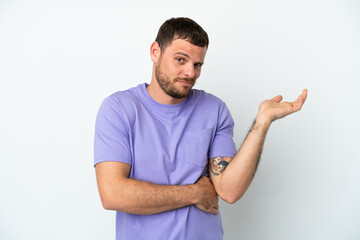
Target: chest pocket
[{"x": 198, "y": 146}]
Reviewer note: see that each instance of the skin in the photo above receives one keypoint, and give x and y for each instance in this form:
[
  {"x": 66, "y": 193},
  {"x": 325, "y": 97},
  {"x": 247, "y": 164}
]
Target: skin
[{"x": 175, "y": 70}]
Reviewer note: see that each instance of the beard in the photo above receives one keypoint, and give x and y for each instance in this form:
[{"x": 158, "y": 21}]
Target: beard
[{"x": 168, "y": 85}]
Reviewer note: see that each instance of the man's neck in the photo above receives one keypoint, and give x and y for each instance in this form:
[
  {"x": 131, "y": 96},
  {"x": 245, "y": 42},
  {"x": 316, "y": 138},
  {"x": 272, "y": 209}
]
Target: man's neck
[{"x": 156, "y": 93}]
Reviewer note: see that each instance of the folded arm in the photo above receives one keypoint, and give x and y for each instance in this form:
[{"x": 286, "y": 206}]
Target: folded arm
[
  {"x": 120, "y": 193},
  {"x": 231, "y": 184}
]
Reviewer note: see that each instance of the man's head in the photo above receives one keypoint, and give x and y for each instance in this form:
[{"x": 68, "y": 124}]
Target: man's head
[
  {"x": 182, "y": 28},
  {"x": 178, "y": 54}
]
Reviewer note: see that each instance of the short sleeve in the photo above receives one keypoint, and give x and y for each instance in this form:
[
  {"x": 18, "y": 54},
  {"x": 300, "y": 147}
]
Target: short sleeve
[
  {"x": 223, "y": 144},
  {"x": 111, "y": 141}
]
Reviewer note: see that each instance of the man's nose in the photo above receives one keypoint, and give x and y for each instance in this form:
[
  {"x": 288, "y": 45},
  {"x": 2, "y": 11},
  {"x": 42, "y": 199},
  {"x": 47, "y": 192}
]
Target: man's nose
[{"x": 190, "y": 71}]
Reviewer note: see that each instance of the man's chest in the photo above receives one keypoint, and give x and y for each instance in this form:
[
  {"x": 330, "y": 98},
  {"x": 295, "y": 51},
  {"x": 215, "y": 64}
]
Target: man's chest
[{"x": 170, "y": 149}]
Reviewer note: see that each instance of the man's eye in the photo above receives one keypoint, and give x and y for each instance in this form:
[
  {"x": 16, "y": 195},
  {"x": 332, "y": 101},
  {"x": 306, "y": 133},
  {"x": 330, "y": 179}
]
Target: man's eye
[{"x": 180, "y": 60}]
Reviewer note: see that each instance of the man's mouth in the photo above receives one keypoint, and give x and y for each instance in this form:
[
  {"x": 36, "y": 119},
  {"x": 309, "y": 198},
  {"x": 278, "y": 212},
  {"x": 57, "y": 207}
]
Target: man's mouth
[{"x": 187, "y": 83}]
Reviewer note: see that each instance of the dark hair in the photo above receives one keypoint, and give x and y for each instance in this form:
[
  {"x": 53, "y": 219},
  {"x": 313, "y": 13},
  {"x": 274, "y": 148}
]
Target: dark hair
[{"x": 183, "y": 28}]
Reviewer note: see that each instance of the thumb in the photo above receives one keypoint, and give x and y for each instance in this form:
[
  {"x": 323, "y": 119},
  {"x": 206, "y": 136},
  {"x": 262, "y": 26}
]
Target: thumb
[{"x": 277, "y": 99}]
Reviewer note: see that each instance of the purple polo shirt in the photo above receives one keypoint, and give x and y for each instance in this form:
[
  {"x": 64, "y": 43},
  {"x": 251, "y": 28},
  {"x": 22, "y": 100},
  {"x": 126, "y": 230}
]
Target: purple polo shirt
[{"x": 164, "y": 144}]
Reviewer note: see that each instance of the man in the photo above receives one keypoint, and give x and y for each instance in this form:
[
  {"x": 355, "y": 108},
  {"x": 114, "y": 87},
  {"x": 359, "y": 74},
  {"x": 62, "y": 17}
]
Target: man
[{"x": 153, "y": 144}]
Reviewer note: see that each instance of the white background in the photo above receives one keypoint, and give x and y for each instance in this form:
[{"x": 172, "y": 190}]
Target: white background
[{"x": 60, "y": 59}]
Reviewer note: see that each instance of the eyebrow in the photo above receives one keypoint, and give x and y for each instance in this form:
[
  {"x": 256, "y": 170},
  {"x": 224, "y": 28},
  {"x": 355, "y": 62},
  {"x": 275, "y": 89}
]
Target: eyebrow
[{"x": 184, "y": 54}]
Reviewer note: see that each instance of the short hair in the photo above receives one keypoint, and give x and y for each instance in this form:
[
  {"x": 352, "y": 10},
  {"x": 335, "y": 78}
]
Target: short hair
[{"x": 183, "y": 28}]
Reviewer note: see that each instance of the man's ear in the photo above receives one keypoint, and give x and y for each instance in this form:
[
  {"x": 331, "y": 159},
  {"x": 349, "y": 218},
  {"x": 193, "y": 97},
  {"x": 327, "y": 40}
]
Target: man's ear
[{"x": 155, "y": 52}]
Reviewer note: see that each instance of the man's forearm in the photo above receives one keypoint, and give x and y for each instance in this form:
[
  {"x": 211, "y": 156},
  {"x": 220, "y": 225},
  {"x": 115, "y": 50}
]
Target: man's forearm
[
  {"x": 138, "y": 197},
  {"x": 237, "y": 177},
  {"x": 118, "y": 192}
]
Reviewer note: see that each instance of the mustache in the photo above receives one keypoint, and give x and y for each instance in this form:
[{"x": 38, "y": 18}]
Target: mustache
[{"x": 190, "y": 80}]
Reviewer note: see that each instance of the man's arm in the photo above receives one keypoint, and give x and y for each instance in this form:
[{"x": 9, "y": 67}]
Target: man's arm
[
  {"x": 232, "y": 183},
  {"x": 118, "y": 192}
]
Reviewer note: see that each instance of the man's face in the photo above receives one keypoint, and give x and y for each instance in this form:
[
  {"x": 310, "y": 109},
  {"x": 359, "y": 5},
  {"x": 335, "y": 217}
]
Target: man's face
[{"x": 178, "y": 67}]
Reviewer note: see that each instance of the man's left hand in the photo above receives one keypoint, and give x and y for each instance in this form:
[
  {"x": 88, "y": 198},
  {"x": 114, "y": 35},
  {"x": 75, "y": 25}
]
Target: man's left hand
[{"x": 273, "y": 109}]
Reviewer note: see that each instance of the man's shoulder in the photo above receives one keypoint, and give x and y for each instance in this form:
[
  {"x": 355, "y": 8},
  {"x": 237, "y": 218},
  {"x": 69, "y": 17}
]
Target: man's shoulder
[
  {"x": 122, "y": 102},
  {"x": 124, "y": 98},
  {"x": 127, "y": 94}
]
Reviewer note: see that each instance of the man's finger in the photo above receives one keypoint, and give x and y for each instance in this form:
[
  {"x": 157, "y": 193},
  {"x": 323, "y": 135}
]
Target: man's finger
[
  {"x": 300, "y": 100},
  {"x": 277, "y": 99},
  {"x": 304, "y": 95},
  {"x": 214, "y": 211}
]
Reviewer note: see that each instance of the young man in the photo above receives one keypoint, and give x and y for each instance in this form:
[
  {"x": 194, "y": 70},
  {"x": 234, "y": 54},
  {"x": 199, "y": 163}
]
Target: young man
[{"x": 156, "y": 145}]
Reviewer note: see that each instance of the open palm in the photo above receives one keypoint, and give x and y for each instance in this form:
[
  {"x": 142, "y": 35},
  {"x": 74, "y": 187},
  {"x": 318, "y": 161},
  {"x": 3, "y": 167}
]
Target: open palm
[{"x": 275, "y": 109}]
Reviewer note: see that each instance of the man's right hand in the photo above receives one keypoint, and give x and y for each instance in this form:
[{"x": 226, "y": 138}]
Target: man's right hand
[{"x": 208, "y": 199}]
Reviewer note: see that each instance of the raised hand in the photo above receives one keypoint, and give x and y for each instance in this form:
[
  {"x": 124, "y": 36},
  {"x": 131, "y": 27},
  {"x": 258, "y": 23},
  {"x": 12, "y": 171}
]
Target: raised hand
[{"x": 270, "y": 110}]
